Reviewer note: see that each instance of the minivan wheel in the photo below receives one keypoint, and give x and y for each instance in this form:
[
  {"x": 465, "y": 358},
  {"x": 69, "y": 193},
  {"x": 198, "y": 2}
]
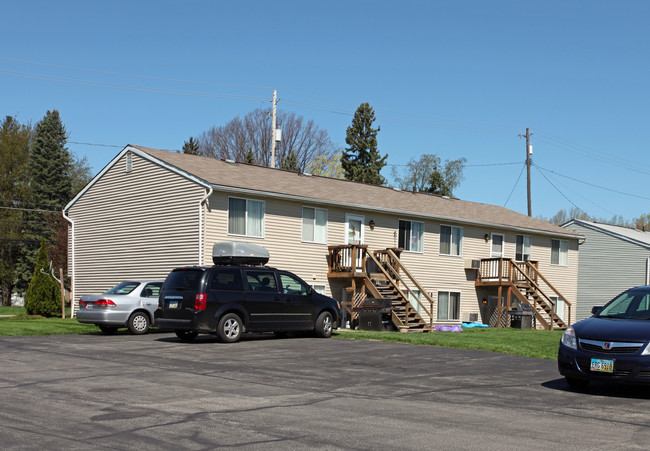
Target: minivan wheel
[
  {"x": 186, "y": 335},
  {"x": 107, "y": 330},
  {"x": 138, "y": 323},
  {"x": 230, "y": 328},
  {"x": 324, "y": 325}
]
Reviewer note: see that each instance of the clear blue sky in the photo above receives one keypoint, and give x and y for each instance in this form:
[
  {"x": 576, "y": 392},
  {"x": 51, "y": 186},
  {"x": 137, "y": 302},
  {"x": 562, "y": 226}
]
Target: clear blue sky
[{"x": 459, "y": 79}]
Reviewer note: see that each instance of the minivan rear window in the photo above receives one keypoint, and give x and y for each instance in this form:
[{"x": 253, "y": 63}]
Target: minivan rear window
[{"x": 184, "y": 280}]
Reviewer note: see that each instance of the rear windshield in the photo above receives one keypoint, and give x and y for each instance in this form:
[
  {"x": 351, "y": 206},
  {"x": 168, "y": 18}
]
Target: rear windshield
[
  {"x": 184, "y": 280},
  {"x": 123, "y": 288}
]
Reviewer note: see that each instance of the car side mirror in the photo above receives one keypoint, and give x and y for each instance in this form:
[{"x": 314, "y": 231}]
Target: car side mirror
[
  {"x": 310, "y": 290},
  {"x": 596, "y": 310}
]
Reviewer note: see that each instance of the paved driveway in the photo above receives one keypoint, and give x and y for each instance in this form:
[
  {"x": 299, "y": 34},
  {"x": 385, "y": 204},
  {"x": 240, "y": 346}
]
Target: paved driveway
[{"x": 155, "y": 392}]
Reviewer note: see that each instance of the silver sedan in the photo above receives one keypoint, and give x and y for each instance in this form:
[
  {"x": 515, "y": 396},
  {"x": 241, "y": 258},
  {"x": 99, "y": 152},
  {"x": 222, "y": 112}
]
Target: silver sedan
[{"x": 130, "y": 304}]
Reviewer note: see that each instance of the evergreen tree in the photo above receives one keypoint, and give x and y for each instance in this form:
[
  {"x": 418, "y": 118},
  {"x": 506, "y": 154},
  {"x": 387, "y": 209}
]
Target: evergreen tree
[
  {"x": 290, "y": 162},
  {"x": 191, "y": 146},
  {"x": 361, "y": 161},
  {"x": 250, "y": 158},
  {"x": 14, "y": 196},
  {"x": 44, "y": 294},
  {"x": 50, "y": 168}
]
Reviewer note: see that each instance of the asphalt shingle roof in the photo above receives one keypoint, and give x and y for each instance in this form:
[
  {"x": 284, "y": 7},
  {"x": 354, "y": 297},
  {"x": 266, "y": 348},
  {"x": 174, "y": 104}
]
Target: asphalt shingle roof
[{"x": 343, "y": 192}]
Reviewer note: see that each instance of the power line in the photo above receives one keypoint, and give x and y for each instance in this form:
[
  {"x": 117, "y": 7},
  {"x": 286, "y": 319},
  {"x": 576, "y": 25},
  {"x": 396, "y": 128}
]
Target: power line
[
  {"x": 591, "y": 184},
  {"x": 561, "y": 193},
  {"x": 516, "y": 183}
]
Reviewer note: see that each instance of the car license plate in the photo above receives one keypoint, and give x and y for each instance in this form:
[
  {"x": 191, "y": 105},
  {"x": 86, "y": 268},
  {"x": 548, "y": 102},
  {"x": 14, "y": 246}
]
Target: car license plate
[
  {"x": 173, "y": 304},
  {"x": 603, "y": 366},
  {"x": 89, "y": 305}
]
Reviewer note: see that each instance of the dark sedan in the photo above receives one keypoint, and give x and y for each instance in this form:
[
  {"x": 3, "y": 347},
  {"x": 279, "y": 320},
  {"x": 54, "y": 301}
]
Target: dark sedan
[{"x": 612, "y": 345}]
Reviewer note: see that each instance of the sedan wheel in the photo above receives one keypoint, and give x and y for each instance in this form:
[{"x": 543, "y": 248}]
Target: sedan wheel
[
  {"x": 230, "y": 328},
  {"x": 138, "y": 323},
  {"x": 324, "y": 325}
]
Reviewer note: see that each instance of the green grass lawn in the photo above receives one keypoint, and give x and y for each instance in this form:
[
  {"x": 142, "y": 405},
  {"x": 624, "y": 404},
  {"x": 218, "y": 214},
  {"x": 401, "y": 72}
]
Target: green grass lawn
[{"x": 540, "y": 344}]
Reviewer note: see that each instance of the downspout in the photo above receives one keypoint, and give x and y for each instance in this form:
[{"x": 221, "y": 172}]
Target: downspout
[
  {"x": 72, "y": 275},
  {"x": 647, "y": 271},
  {"x": 201, "y": 224}
]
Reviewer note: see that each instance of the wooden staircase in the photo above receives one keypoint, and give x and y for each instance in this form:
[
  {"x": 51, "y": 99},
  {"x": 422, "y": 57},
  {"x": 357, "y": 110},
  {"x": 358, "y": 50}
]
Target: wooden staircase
[
  {"x": 403, "y": 314},
  {"x": 528, "y": 285}
]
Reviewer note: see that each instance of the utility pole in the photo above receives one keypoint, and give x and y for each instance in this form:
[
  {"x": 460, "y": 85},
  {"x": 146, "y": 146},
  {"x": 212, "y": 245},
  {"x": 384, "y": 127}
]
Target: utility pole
[
  {"x": 273, "y": 119},
  {"x": 528, "y": 152}
]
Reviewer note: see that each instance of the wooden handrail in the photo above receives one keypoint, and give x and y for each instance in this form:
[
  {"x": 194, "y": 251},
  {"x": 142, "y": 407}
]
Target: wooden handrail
[
  {"x": 555, "y": 290},
  {"x": 400, "y": 279}
]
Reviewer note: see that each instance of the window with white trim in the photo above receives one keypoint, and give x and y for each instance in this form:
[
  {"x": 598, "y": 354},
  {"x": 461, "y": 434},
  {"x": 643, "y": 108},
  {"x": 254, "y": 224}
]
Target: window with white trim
[
  {"x": 451, "y": 240},
  {"x": 560, "y": 252},
  {"x": 448, "y": 306},
  {"x": 523, "y": 248},
  {"x": 246, "y": 217},
  {"x": 314, "y": 225},
  {"x": 410, "y": 235}
]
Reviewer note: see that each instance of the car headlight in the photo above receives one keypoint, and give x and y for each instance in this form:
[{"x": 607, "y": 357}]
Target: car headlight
[
  {"x": 569, "y": 338},
  {"x": 646, "y": 351}
]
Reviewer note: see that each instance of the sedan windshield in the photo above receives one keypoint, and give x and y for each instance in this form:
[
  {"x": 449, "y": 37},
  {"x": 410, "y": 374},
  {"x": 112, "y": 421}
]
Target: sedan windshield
[
  {"x": 123, "y": 288},
  {"x": 633, "y": 304}
]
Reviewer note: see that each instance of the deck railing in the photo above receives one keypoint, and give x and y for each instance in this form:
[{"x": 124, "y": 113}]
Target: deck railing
[{"x": 347, "y": 258}]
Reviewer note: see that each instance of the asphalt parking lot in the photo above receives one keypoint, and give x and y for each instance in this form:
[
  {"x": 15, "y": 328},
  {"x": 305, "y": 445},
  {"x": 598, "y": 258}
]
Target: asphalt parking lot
[{"x": 155, "y": 392}]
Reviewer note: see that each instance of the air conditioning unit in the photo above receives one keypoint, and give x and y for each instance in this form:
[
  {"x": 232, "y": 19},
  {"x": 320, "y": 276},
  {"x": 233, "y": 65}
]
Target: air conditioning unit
[
  {"x": 472, "y": 263},
  {"x": 470, "y": 317}
]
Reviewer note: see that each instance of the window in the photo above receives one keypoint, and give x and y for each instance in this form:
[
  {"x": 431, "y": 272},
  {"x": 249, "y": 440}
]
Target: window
[
  {"x": 314, "y": 225},
  {"x": 451, "y": 240},
  {"x": 522, "y": 252},
  {"x": 560, "y": 252},
  {"x": 414, "y": 298},
  {"x": 448, "y": 305},
  {"x": 559, "y": 307},
  {"x": 152, "y": 290},
  {"x": 246, "y": 217},
  {"x": 291, "y": 285},
  {"x": 320, "y": 289},
  {"x": 497, "y": 245},
  {"x": 226, "y": 279},
  {"x": 410, "y": 235},
  {"x": 261, "y": 281}
]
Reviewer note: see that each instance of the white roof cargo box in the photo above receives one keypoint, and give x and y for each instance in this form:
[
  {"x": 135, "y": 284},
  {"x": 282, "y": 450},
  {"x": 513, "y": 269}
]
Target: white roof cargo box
[{"x": 239, "y": 253}]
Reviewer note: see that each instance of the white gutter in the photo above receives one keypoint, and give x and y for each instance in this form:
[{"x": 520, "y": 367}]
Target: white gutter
[
  {"x": 73, "y": 280},
  {"x": 210, "y": 191}
]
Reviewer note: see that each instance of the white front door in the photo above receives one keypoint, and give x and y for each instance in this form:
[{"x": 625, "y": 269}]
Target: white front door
[
  {"x": 497, "y": 245},
  {"x": 354, "y": 229}
]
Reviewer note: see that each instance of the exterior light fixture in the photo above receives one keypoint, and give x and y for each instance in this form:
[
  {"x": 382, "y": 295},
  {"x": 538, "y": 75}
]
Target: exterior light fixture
[
  {"x": 486, "y": 237},
  {"x": 371, "y": 224}
]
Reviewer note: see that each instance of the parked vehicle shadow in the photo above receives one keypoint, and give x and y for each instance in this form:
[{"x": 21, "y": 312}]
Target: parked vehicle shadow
[
  {"x": 597, "y": 388},
  {"x": 206, "y": 338}
]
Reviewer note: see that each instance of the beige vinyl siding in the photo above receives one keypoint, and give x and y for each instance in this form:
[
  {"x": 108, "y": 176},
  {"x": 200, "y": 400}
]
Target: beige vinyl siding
[
  {"x": 435, "y": 272},
  {"x": 134, "y": 225}
]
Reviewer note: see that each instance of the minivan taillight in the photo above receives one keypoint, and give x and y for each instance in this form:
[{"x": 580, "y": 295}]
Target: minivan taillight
[{"x": 200, "y": 301}]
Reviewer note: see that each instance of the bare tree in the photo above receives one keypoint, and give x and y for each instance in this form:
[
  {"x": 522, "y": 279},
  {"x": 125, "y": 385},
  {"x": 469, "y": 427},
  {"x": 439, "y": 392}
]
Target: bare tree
[{"x": 249, "y": 136}]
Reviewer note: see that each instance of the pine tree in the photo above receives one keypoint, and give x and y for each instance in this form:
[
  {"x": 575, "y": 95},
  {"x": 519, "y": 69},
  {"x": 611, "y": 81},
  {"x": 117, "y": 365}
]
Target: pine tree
[
  {"x": 250, "y": 158},
  {"x": 191, "y": 146},
  {"x": 14, "y": 193},
  {"x": 361, "y": 161},
  {"x": 290, "y": 163},
  {"x": 43, "y": 295},
  {"x": 50, "y": 168}
]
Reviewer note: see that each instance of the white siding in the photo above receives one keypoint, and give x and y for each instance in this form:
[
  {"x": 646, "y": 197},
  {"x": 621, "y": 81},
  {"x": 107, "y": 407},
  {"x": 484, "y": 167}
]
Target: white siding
[{"x": 131, "y": 225}]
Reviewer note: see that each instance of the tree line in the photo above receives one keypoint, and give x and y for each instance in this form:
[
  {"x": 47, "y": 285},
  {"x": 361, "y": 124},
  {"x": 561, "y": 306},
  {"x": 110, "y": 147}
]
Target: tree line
[{"x": 38, "y": 177}]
